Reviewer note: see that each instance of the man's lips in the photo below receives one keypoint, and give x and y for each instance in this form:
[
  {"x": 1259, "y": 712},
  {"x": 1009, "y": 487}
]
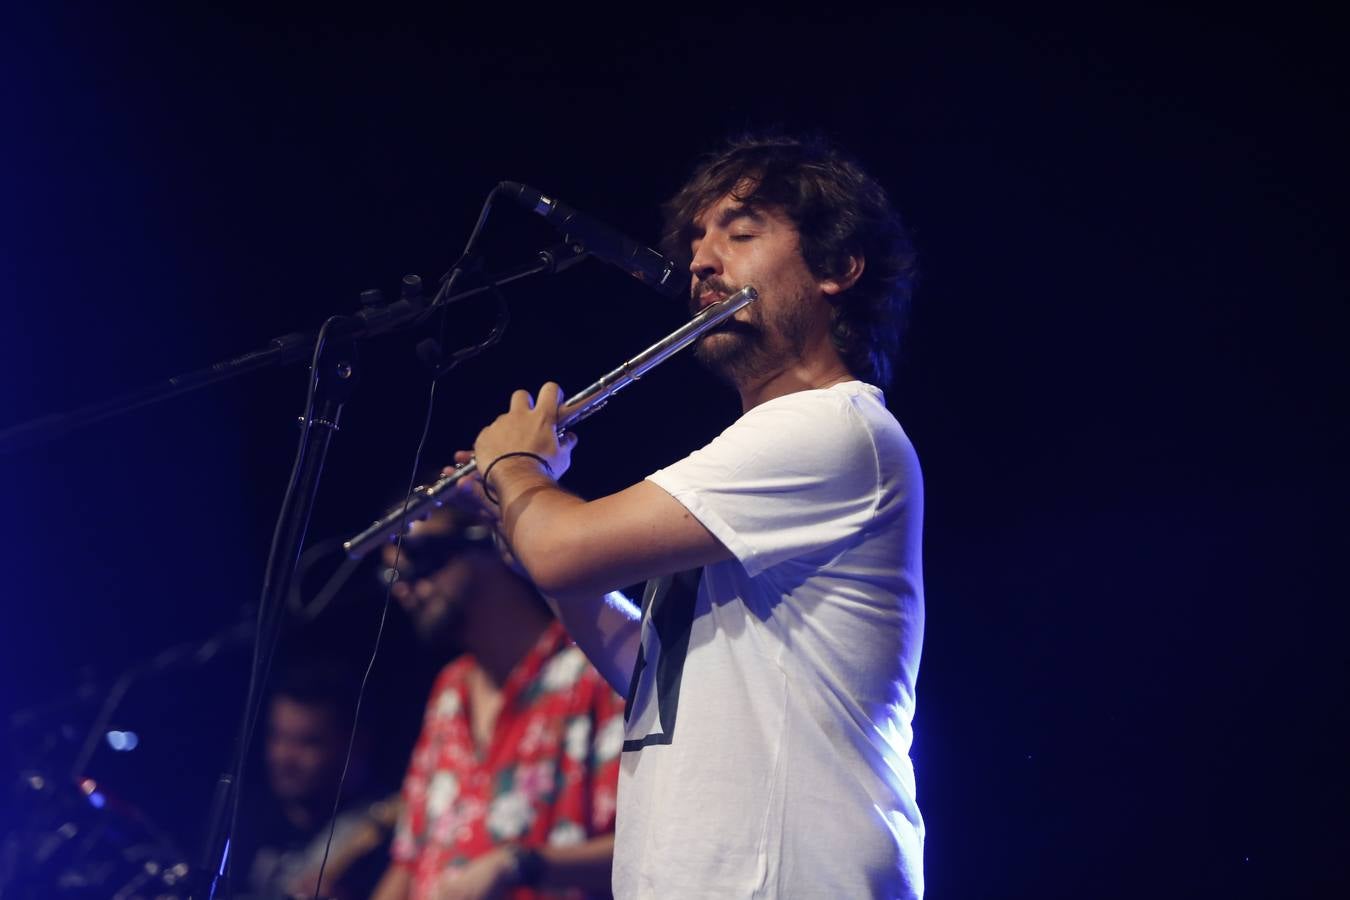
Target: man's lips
[{"x": 702, "y": 301}]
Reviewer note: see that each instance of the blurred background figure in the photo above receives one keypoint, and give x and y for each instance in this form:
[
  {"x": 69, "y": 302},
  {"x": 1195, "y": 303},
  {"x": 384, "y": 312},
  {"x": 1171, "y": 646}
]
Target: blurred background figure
[
  {"x": 510, "y": 791},
  {"x": 284, "y": 825}
]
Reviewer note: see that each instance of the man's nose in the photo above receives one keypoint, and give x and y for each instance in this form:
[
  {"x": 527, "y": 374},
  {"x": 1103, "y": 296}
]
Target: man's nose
[{"x": 706, "y": 262}]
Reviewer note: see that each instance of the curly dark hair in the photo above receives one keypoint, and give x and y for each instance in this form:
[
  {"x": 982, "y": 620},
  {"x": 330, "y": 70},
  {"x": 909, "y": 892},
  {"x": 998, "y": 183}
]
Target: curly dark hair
[
  {"x": 839, "y": 210},
  {"x": 322, "y": 682}
]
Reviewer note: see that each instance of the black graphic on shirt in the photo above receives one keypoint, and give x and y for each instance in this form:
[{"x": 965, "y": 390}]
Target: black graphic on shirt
[{"x": 668, "y": 615}]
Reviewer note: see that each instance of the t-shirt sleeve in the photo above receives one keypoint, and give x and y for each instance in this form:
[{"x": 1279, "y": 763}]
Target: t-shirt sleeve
[{"x": 788, "y": 478}]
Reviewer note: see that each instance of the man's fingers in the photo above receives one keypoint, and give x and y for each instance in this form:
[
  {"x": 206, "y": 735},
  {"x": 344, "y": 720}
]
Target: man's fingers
[
  {"x": 568, "y": 440},
  {"x": 550, "y": 398},
  {"x": 521, "y": 401},
  {"x": 461, "y": 457}
]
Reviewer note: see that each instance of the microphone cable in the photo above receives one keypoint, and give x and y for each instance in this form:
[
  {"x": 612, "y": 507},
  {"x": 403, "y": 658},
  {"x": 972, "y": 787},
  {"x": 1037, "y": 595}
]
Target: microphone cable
[{"x": 438, "y": 303}]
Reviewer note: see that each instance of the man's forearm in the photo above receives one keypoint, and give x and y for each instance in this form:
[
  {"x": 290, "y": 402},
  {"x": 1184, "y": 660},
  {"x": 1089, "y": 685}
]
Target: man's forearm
[
  {"x": 572, "y": 547},
  {"x": 394, "y": 885},
  {"x": 534, "y": 513},
  {"x": 534, "y": 510},
  {"x": 608, "y": 631}
]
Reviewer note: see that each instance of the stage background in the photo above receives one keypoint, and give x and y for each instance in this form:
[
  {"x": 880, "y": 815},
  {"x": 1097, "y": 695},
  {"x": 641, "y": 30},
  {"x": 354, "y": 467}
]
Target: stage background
[{"x": 1124, "y": 373}]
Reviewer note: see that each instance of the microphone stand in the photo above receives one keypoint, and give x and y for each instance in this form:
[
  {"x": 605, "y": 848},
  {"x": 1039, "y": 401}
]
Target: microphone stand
[{"x": 334, "y": 375}]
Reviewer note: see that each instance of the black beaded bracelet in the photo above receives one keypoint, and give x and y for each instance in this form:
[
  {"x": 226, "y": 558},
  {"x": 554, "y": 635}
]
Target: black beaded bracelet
[{"x": 487, "y": 488}]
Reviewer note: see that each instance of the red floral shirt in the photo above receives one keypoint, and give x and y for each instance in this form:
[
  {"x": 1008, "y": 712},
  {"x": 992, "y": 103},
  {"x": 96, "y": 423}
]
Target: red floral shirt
[{"x": 549, "y": 776}]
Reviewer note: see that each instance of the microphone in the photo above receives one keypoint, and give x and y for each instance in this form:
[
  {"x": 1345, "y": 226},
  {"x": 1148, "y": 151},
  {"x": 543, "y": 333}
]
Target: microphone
[{"x": 601, "y": 241}]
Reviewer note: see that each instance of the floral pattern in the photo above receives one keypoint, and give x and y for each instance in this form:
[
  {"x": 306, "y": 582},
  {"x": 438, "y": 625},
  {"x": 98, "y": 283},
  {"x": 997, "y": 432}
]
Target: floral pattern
[
  {"x": 548, "y": 777},
  {"x": 509, "y": 815},
  {"x": 442, "y": 792},
  {"x": 566, "y": 834},
  {"x": 609, "y": 743},
  {"x": 579, "y": 737},
  {"x": 535, "y": 780},
  {"x": 563, "y": 670}
]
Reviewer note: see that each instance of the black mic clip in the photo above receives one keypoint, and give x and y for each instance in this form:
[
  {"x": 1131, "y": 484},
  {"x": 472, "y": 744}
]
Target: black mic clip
[{"x": 561, "y": 257}]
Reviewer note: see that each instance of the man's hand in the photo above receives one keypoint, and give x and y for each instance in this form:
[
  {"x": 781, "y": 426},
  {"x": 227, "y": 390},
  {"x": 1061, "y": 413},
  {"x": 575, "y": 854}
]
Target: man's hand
[
  {"x": 468, "y": 491},
  {"x": 469, "y": 494},
  {"x": 527, "y": 427},
  {"x": 486, "y": 878}
]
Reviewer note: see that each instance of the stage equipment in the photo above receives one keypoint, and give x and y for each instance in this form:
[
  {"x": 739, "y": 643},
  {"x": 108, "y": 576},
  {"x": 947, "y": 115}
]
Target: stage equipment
[
  {"x": 333, "y": 376},
  {"x": 79, "y": 840},
  {"x": 425, "y": 498},
  {"x": 68, "y": 835},
  {"x": 601, "y": 241}
]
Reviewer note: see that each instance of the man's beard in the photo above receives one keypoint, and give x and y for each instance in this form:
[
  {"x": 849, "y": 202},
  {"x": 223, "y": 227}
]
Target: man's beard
[
  {"x": 442, "y": 631},
  {"x": 735, "y": 352},
  {"x": 746, "y": 352}
]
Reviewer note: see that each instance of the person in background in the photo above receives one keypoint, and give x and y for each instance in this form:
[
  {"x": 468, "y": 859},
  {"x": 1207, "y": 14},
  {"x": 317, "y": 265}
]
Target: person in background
[
  {"x": 510, "y": 791},
  {"x": 283, "y": 838}
]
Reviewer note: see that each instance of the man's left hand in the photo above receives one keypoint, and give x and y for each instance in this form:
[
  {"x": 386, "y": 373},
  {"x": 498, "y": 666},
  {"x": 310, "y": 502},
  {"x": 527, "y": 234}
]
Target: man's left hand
[
  {"x": 486, "y": 878},
  {"x": 529, "y": 427}
]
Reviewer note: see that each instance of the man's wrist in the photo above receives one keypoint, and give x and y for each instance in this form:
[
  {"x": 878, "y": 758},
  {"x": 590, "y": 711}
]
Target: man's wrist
[
  {"x": 525, "y": 866},
  {"x": 509, "y": 466}
]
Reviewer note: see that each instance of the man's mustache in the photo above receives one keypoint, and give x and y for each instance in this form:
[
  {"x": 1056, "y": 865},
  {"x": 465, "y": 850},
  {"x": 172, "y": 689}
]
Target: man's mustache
[{"x": 714, "y": 286}]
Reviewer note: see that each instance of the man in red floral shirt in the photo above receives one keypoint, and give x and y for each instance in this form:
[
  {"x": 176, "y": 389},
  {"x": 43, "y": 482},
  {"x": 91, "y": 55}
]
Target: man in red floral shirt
[{"x": 511, "y": 787}]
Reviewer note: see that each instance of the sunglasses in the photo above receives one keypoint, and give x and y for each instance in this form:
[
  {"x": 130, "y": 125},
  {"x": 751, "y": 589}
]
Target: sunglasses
[{"x": 425, "y": 555}]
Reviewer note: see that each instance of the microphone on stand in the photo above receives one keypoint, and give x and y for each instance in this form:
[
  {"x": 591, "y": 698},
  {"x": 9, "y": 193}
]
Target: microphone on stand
[{"x": 598, "y": 239}]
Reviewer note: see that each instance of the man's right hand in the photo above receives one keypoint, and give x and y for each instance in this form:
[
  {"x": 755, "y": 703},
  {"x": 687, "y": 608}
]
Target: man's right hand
[{"x": 485, "y": 878}]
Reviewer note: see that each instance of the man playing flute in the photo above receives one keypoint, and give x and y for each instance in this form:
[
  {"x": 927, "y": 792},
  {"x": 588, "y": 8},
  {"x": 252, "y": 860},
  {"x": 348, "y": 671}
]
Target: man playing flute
[{"x": 768, "y": 718}]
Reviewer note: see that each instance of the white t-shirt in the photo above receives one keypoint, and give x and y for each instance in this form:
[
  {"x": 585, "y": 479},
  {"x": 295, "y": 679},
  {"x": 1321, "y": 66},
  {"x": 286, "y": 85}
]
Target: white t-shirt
[{"x": 768, "y": 733}]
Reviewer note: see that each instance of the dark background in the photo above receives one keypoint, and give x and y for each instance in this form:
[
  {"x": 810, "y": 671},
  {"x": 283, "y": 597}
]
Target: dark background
[{"x": 1124, "y": 374}]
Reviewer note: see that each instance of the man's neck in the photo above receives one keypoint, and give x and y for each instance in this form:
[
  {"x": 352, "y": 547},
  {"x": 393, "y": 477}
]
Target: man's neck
[
  {"x": 303, "y": 816},
  {"x": 801, "y": 375},
  {"x": 506, "y": 624}
]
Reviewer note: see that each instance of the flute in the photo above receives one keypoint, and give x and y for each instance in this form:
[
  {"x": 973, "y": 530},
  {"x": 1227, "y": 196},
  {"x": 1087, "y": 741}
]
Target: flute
[{"x": 425, "y": 498}]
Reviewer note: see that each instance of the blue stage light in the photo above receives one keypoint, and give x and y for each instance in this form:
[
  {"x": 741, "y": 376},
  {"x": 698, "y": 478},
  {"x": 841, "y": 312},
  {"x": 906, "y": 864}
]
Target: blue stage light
[{"x": 123, "y": 741}]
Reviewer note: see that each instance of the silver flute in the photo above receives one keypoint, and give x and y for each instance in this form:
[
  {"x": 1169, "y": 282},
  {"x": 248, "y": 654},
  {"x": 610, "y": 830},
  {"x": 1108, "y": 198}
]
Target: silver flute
[{"x": 427, "y": 497}]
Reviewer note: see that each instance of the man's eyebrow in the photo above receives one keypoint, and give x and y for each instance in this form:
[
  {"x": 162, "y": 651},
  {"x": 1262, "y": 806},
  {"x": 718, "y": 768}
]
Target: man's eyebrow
[
  {"x": 736, "y": 213},
  {"x": 728, "y": 216}
]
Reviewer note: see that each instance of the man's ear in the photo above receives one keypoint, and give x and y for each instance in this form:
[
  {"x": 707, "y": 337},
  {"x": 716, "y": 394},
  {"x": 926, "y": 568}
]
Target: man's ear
[{"x": 853, "y": 269}]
